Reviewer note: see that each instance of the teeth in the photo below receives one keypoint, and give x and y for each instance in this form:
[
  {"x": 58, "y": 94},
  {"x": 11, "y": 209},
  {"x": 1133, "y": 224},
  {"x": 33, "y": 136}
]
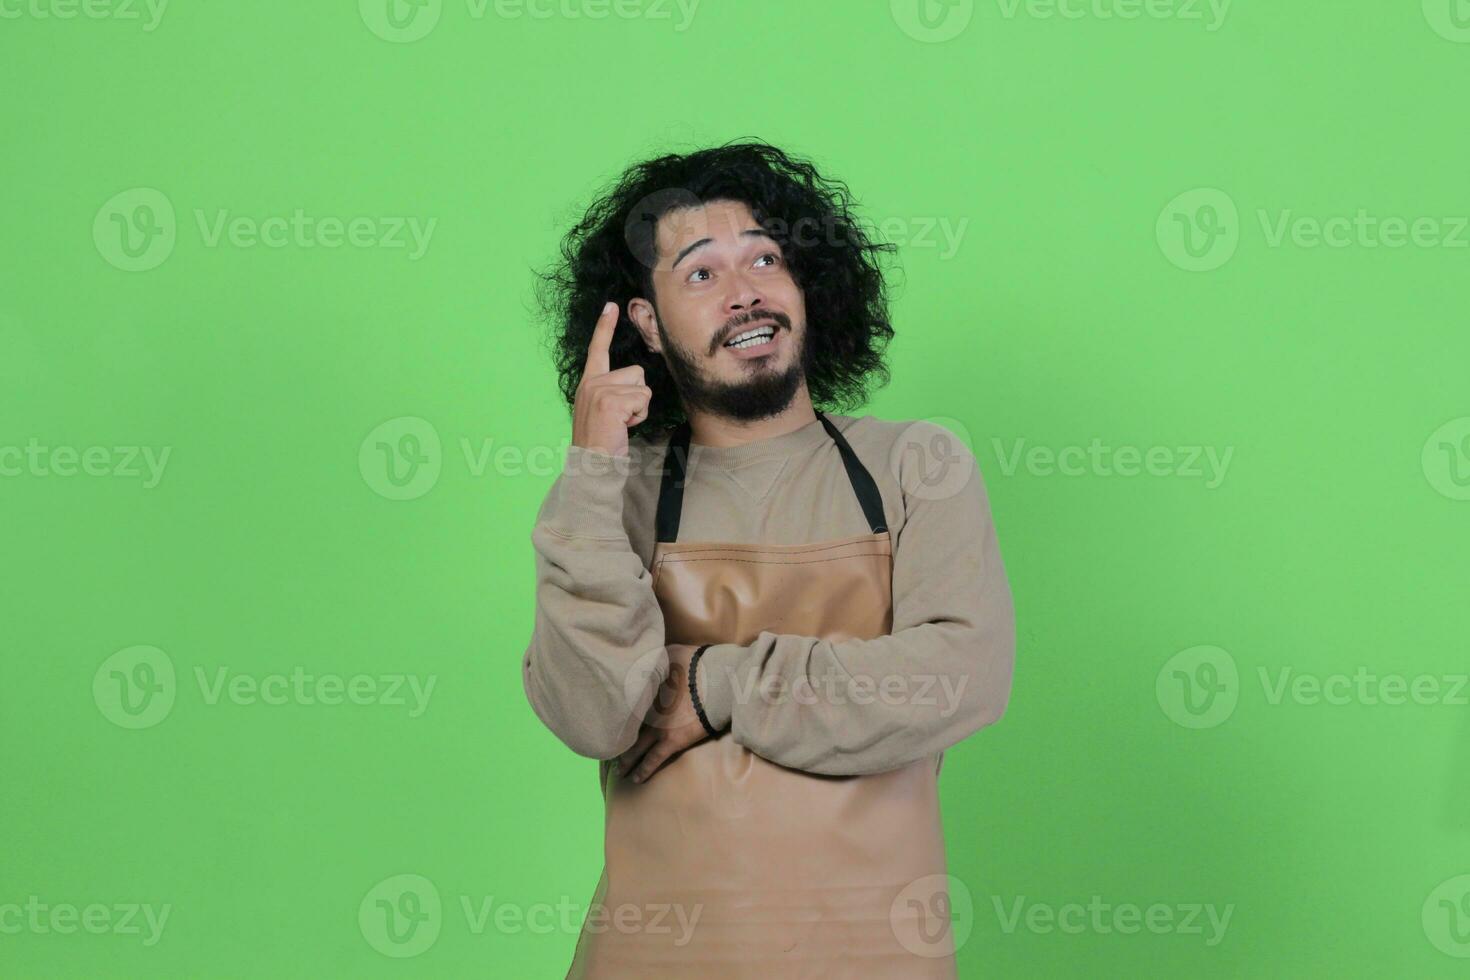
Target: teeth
[{"x": 751, "y": 338}]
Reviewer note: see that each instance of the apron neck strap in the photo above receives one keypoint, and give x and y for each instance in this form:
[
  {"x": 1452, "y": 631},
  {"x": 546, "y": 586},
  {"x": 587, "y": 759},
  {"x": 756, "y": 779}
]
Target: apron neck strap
[{"x": 671, "y": 489}]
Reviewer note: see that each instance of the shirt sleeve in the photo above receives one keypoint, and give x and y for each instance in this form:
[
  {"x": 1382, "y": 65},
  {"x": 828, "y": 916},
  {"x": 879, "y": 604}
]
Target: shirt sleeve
[
  {"x": 864, "y": 706},
  {"x": 596, "y": 656}
]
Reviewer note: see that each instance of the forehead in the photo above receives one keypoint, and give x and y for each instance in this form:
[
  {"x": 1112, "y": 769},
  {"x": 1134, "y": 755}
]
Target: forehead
[{"x": 721, "y": 221}]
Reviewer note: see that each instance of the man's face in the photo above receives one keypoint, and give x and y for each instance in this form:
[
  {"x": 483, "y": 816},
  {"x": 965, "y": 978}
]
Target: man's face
[{"x": 718, "y": 276}]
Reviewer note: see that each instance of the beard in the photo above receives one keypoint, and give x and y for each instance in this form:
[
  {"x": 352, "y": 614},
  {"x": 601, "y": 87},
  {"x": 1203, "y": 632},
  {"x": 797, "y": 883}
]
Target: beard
[{"x": 764, "y": 393}]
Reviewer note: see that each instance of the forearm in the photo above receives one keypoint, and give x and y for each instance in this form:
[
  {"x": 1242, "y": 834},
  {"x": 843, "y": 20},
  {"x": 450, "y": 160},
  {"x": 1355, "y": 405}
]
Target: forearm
[
  {"x": 861, "y": 706},
  {"x": 596, "y": 654}
]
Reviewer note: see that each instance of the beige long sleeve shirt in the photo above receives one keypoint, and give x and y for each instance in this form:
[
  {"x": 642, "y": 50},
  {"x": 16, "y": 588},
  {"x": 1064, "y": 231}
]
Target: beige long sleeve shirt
[{"x": 947, "y": 664}]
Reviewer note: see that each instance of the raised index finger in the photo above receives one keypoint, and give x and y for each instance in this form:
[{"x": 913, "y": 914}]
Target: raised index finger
[{"x": 598, "y": 361}]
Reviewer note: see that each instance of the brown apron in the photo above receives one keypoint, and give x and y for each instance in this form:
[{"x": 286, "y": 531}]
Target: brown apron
[{"x": 725, "y": 866}]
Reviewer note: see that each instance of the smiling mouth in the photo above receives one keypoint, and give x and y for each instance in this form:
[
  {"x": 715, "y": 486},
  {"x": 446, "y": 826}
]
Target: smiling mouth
[{"x": 753, "y": 336}]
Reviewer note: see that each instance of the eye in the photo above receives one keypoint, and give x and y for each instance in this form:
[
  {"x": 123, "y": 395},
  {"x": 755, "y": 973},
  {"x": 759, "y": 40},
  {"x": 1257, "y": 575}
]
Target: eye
[
  {"x": 697, "y": 272},
  {"x": 772, "y": 255}
]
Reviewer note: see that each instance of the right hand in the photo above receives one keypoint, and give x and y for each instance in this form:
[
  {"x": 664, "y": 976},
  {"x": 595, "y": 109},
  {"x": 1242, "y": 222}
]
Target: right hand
[{"x": 607, "y": 402}]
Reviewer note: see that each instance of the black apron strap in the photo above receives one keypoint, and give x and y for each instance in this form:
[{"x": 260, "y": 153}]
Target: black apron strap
[
  {"x": 862, "y": 481},
  {"x": 671, "y": 489}
]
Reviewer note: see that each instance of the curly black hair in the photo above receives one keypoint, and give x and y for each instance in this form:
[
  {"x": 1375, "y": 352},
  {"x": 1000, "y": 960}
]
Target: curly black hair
[{"x": 609, "y": 255}]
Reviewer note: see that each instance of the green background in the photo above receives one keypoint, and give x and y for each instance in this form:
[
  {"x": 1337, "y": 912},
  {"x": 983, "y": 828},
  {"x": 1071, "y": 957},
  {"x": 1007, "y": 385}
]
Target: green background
[{"x": 1335, "y": 376}]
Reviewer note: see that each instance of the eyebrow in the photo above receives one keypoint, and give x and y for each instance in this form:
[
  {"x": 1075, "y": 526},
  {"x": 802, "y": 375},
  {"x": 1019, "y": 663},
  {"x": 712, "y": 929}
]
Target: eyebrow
[{"x": 747, "y": 233}]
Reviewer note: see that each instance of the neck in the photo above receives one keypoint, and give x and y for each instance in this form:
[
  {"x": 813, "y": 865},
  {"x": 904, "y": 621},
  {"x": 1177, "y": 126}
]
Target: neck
[{"x": 718, "y": 430}]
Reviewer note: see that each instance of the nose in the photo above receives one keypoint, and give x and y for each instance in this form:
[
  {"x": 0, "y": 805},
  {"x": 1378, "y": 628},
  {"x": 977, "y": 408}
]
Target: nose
[
  {"x": 746, "y": 295},
  {"x": 747, "y": 300}
]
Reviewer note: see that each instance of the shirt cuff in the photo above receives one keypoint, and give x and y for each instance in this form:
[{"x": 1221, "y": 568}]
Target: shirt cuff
[{"x": 715, "y": 682}]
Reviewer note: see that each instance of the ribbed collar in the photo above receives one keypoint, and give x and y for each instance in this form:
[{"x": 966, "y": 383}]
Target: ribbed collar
[{"x": 801, "y": 440}]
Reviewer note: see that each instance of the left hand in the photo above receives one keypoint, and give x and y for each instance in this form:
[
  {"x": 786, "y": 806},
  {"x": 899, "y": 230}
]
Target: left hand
[{"x": 671, "y": 725}]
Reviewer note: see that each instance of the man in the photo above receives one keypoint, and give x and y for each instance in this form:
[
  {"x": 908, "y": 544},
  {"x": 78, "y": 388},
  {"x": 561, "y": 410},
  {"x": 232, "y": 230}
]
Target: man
[{"x": 768, "y": 621}]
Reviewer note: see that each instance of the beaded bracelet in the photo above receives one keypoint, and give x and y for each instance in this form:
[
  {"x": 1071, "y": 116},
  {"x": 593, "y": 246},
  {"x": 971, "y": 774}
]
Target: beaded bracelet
[{"x": 694, "y": 694}]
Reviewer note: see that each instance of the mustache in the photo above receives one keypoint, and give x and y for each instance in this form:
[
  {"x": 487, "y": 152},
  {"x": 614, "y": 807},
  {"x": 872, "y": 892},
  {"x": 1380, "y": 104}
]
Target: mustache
[{"x": 774, "y": 317}]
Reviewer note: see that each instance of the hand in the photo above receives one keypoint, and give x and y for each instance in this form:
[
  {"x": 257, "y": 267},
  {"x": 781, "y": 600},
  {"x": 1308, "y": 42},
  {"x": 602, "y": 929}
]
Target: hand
[
  {"x": 671, "y": 726},
  {"x": 607, "y": 402}
]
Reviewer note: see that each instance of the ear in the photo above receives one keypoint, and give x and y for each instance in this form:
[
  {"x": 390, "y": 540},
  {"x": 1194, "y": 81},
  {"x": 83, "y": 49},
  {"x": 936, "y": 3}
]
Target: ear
[{"x": 640, "y": 311}]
